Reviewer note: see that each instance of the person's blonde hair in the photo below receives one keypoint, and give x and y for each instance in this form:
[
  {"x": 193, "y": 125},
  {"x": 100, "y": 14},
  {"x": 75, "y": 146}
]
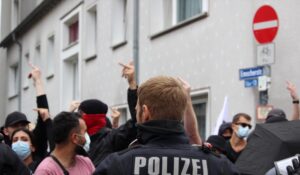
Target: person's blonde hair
[{"x": 165, "y": 98}]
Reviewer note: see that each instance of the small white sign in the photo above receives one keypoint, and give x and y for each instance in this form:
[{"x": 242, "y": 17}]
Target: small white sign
[{"x": 266, "y": 54}]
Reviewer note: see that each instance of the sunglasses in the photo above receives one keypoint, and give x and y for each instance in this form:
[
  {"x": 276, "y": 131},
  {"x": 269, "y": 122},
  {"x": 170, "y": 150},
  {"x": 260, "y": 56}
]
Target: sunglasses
[{"x": 244, "y": 125}]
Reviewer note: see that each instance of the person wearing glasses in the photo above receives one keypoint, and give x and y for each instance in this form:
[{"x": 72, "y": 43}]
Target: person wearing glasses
[{"x": 241, "y": 128}]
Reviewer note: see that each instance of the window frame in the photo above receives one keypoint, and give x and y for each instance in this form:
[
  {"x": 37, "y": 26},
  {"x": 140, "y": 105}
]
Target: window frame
[
  {"x": 122, "y": 42},
  {"x": 177, "y": 25},
  {"x": 68, "y": 52},
  {"x": 91, "y": 16},
  {"x": 26, "y": 61},
  {"x": 13, "y": 85},
  {"x": 75, "y": 14},
  {"x": 50, "y": 53},
  {"x": 197, "y": 97}
]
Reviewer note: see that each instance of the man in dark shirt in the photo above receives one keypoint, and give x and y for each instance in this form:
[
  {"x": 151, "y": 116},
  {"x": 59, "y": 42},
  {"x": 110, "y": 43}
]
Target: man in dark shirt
[{"x": 241, "y": 128}]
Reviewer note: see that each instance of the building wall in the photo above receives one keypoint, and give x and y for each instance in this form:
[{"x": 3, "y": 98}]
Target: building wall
[
  {"x": 5, "y": 18},
  {"x": 2, "y": 70},
  {"x": 208, "y": 53}
]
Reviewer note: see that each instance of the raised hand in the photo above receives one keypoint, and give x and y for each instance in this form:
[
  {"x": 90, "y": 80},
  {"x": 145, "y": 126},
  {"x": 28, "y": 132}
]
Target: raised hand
[
  {"x": 35, "y": 73},
  {"x": 74, "y": 105},
  {"x": 292, "y": 89},
  {"x": 43, "y": 112},
  {"x": 115, "y": 115},
  {"x": 128, "y": 72}
]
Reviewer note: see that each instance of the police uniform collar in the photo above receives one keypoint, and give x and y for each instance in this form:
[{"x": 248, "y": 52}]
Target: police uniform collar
[
  {"x": 162, "y": 126},
  {"x": 158, "y": 128}
]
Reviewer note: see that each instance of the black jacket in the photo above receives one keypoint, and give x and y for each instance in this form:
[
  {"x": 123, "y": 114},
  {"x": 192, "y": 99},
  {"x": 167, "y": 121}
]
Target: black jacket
[
  {"x": 107, "y": 140},
  {"x": 10, "y": 164},
  {"x": 43, "y": 130},
  {"x": 132, "y": 100},
  {"x": 164, "y": 149}
]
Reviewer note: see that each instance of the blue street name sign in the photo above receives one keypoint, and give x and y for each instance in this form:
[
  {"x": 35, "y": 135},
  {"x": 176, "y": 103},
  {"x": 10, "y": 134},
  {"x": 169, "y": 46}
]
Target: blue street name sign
[
  {"x": 251, "y": 72},
  {"x": 251, "y": 83}
]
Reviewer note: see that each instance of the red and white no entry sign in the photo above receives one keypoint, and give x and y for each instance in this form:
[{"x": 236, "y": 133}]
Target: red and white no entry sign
[{"x": 265, "y": 24}]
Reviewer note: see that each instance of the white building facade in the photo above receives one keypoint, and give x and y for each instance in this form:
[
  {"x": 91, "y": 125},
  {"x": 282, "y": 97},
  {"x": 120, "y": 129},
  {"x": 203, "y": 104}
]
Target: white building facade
[{"x": 78, "y": 44}]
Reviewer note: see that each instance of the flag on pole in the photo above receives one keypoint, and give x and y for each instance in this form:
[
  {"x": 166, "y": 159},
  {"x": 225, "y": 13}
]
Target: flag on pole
[{"x": 223, "y": 116}]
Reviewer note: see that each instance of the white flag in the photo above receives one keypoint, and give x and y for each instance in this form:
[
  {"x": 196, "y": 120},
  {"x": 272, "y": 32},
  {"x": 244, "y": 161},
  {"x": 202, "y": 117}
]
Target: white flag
[{"x": 223, "y": 116}]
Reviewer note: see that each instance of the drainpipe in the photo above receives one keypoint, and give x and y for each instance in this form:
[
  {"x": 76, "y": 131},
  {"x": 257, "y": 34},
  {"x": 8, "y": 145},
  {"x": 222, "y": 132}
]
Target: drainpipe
[
  {"x": 136, "y": 39},
  {"x": 20, "y": 71}
]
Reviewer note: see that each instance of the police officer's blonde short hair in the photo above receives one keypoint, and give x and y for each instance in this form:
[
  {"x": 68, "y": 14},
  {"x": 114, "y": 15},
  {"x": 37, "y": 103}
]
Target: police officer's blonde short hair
[{"x": 165, "y": 98}]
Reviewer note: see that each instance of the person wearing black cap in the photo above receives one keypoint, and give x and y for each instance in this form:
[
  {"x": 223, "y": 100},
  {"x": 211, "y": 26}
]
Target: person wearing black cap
[
  {"x": 218, "y": 144},
  {"x": 276, "y": 115},
  {"x": 14, "y": 120},
  {"x": 43, "y": 130},
  {"x": 103, "y": 139},
  {"x": 225, "y": 130}
]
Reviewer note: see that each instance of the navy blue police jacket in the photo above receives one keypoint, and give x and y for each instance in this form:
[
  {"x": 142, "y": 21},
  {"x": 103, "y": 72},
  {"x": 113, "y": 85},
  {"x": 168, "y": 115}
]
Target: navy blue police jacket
[{"x": 164, "y": 149}]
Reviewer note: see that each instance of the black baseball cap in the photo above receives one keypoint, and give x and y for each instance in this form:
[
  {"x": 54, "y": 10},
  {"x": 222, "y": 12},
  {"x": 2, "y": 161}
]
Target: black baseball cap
[
  {"x": 15, "y": 117},
  {"x": 276, "y": 115},
  {"x": 217, "y": 142}
]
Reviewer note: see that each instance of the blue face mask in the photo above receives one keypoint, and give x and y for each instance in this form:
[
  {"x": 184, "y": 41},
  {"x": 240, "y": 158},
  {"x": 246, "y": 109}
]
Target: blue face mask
[
  {"x": 243, "y": 132},
  {"x": 22, "y": 149}
]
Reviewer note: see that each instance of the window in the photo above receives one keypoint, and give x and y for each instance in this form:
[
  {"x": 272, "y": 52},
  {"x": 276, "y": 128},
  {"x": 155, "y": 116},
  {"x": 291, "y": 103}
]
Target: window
[
  {"x": 123, "y": 117},
  {"x": 37, "y": 57},
  {"x": 119, "y": 22},
  {"x": 70, "y": 56},
  {"x": 200, "y": 107},
  {"x": 15, "y": 13},
  {"x": 50, "y": 56},
  {"x": 26, "y": 71},
  {"x": 70, "y": 79},
  {"x": 168, "y": 14},
  {"x": 13, "y": 80},
  {"x": 71, "y": 31},
  {"x": 187, "y": 9},
  {"x": 75, "y": 79},
  {"x": 91, "y": 32}
]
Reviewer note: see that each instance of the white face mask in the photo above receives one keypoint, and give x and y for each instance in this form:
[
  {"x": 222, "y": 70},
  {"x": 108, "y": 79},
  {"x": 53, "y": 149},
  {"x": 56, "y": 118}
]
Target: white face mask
[{"x": 86, "y": 146}]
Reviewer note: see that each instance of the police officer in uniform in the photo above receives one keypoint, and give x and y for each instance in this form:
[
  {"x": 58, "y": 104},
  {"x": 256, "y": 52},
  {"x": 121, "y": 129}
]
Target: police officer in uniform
[{"x": 161, "y": 146}]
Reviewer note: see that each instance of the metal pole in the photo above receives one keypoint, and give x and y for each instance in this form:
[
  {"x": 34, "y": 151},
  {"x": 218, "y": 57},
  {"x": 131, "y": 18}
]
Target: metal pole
[
  {"x": 136, "y": 39},
  {"x": 20, "y": 72}
]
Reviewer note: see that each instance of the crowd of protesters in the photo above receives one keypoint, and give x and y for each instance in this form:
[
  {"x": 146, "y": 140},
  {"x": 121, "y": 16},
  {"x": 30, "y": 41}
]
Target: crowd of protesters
[{"x": 160, "y": 138}]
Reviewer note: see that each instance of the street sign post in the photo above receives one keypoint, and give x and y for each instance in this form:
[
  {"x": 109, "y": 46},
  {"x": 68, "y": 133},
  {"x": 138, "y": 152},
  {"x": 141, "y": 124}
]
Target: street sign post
[
  {"x": 265, "y": 24},
  {"x": 265, "y": 54}
]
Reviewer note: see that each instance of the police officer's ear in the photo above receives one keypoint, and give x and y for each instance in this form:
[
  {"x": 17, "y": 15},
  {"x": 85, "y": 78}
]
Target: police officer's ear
[{"x": 145, "y": 113}]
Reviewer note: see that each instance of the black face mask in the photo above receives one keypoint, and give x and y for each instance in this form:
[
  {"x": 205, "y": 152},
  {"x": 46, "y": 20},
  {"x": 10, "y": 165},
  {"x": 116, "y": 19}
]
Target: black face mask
[{"x": 226, "y": 137}]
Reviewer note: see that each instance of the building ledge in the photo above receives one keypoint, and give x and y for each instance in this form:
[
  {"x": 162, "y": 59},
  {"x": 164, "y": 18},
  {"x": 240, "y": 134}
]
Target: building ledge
[{"x": 179, "y": 25}]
